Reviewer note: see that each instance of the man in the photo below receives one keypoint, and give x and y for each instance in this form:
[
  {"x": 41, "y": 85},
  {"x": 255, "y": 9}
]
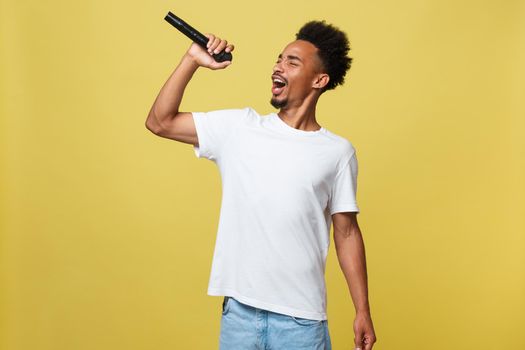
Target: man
[{"x": 285, "y": 178}]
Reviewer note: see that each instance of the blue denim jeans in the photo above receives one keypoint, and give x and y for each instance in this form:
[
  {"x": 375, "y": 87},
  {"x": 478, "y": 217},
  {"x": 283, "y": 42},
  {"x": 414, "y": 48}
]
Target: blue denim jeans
[{"x": 244, "y": 327}]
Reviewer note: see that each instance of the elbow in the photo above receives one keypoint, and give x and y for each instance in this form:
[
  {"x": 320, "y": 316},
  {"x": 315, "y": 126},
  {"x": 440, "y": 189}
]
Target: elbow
[
  {"x": 153, "y": 123},
  {"x": 157, "y": 125},
  {"x": 152, "y": 126}
]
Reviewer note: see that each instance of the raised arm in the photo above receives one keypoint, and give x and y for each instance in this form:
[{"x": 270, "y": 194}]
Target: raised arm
[{"x": 164, "y": 118}]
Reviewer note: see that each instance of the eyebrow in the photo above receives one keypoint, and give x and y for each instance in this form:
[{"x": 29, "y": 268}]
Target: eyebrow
[{"x": 291, "y": 57}]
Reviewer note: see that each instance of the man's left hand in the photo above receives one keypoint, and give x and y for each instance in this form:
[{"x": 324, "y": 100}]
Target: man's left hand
[{"x": 364, "y": 331}]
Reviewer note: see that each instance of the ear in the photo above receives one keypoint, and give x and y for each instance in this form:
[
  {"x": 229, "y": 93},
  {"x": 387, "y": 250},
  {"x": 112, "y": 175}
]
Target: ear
[{"x": 321, "y": 80}]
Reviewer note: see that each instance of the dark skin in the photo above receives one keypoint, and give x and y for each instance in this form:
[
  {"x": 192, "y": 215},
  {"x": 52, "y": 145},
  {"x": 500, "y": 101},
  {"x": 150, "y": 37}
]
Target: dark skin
[{"x": 300, "y": 67}]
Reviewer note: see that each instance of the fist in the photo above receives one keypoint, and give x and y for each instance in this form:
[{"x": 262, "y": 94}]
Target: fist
[{"x": 203, "y": 57}]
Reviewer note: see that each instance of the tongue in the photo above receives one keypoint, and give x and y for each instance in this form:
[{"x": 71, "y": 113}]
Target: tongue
[{"x": 276, "y": 89}]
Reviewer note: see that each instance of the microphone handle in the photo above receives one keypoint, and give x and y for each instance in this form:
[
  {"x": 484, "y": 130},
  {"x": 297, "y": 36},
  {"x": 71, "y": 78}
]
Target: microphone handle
[{"x": 195, "y": 36}]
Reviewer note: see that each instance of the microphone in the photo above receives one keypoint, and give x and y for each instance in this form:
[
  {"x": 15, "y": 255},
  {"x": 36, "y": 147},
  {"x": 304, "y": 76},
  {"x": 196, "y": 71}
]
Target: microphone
[{"x": 195, "y": 36}]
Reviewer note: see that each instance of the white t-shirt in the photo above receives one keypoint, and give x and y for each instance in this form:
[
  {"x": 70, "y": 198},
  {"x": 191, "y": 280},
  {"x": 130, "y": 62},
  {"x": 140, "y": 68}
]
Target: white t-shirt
[{"x": 280, "y": 186}]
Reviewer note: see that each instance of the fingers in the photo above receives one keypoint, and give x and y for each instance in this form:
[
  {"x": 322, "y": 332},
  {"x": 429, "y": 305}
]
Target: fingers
[
  {"x": 369, "y": 341},
  {"x": 229, "y": 48},
  {"x": 216, "y": 42},
  {"x": 221, "y": 46},
  {"x": 358, "y": 341},
  {"x": 211, "y": 38},
  {"x": 220, "y": 65},
  {"x": 216, "y": 45},
  {"x": 364, "y": 332}
]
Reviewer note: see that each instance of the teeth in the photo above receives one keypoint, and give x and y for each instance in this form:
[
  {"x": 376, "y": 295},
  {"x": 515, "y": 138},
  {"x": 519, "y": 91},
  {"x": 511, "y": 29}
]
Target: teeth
[{"x": 278, "y": 81}]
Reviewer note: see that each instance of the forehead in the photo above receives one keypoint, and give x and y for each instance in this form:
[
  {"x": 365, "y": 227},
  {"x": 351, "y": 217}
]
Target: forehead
[{"x": 305, "y": 50}]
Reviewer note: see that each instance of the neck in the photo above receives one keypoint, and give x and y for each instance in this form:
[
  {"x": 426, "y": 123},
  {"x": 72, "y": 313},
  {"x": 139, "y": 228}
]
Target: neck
[{"x": 301, "y": 116}]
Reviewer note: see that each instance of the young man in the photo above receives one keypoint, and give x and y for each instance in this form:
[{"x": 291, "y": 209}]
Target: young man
[{"x": 285, "y": 179}]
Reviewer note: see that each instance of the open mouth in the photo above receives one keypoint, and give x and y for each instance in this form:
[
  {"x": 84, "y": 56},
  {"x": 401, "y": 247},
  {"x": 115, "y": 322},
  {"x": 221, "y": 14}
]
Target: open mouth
[{"x": 278, "y": 85}]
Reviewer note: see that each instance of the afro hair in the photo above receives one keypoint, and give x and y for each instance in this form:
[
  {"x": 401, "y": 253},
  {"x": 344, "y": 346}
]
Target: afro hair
[{"x": 333, "y": 47}]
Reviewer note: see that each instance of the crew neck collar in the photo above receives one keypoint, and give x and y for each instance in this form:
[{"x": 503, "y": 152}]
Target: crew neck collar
[{"x": 281, "y": 123}]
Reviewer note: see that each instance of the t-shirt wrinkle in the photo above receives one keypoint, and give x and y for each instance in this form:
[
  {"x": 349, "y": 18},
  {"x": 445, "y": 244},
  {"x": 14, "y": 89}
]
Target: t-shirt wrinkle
[{"x": 344, "y": 165}]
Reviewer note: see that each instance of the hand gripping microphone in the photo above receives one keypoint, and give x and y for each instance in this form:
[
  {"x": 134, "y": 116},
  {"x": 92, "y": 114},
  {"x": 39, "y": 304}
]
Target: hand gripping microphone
[{"x": 195, "y": 36}]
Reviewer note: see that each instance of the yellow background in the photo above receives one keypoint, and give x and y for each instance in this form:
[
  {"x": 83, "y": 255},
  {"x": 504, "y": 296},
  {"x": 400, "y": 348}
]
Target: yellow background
[{"x": 107, "y": 231}]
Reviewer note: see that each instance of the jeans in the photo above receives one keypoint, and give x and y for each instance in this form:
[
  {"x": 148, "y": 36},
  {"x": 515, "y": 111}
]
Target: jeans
[{"x": 244, "y": 327}]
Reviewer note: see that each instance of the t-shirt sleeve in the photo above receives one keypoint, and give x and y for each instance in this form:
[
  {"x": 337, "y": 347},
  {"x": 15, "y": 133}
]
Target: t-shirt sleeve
[
  {"x": 344, "y": 188},
  {"x": 213, "y": 129}
]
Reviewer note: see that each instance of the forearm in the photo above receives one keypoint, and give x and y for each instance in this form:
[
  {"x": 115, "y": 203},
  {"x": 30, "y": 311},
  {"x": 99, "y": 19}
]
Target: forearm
[
  {"x": 168, "y": 101},
  {"x": 352, "y": 260}
]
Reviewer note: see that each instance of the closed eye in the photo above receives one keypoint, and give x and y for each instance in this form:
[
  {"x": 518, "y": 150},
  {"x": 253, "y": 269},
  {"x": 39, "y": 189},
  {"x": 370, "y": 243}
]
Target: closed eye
[{"x": 291, "y": 61}]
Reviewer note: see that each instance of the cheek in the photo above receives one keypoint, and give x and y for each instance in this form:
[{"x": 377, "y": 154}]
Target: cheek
[{"x": 302, "y": 85}]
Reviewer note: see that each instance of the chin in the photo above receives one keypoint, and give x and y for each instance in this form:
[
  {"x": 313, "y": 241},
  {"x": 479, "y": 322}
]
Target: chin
[{"x": 278, "y": 103}]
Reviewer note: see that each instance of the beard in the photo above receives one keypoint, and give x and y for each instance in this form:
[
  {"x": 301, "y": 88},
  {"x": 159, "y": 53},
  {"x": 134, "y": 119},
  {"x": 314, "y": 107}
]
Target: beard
[{"x": 278, "y": 104}]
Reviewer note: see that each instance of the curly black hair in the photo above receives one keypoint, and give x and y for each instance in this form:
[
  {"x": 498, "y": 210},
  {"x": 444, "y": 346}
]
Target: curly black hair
[{"x": 333, "y": 47}]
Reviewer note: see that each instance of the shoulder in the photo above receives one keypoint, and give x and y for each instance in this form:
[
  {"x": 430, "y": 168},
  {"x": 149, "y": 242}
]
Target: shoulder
[
  {"x": 245, "y": 112},
  {"x": 251, "y": 113},
  {"x": 249, "y": 116},
  {"x": 226, "y": 115},
  {"x": 345, "y": 148}
]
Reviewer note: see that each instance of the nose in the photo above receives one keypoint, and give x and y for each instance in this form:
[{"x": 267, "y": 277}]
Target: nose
[{"x": 278, "y": 67}]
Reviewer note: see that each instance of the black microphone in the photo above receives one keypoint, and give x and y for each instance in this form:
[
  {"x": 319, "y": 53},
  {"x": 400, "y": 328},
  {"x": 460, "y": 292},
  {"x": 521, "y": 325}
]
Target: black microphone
[{"x": 195, "y": 36}]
